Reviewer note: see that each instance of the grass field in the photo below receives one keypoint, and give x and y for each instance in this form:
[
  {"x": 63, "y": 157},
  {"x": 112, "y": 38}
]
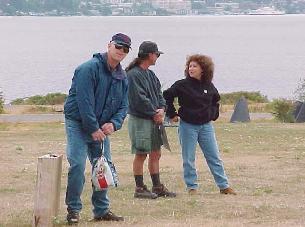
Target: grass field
[{"x": 265, "y": 163}]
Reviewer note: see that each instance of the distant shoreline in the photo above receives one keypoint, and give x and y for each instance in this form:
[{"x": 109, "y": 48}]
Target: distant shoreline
[
  {"x": 190, "y": 15},
  {"x": 152, "y": 16}
]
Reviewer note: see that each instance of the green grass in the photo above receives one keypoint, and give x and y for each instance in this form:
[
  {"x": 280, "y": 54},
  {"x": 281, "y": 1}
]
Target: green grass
[{"x": 263, "y": 160}]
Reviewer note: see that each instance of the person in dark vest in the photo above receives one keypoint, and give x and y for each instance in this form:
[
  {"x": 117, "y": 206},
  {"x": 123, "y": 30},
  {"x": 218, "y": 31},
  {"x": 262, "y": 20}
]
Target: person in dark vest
[
  {"x": 96, "y": 107},
  {"x": 146, "y": 112},
  {"x": 198, "y": 100}
]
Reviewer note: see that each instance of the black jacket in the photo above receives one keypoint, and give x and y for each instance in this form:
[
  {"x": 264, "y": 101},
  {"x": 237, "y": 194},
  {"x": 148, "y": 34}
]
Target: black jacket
[{"x": 198, "y": 101}]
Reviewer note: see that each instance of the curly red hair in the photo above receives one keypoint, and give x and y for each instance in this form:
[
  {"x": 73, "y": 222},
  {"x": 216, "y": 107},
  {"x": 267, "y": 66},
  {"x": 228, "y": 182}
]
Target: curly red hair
[{"x": 206, "y": 64}]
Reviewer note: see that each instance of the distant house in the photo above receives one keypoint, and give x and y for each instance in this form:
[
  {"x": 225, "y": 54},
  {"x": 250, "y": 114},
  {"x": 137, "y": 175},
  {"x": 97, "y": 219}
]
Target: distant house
[
  {"x": 180, "y": 7},
  {"x": 94, "y": 12},
  {"x": 224, "y": 5},
  {"x": 124, "y": 8},
  {"x": 232, "y": 7}
]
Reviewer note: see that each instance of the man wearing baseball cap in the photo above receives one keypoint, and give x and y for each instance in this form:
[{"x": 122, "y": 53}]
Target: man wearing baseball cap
[
  {"x": 95, "y": 108},
  {"x": 146, "y": 112}
]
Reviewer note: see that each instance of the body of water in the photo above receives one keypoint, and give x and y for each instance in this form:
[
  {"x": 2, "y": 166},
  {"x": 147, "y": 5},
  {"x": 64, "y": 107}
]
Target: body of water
[{"x": 251, "y": 53}]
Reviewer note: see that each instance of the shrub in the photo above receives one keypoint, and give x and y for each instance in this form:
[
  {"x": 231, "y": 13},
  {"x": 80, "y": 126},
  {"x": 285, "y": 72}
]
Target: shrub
[
  {"x": 1, "y": 102},
  {"x": 18, "y": 101},
  {"x": 282, "y": 109},
  {"x": 55, "y": 98},
  {"x": 35, "y": 100},
  {"x": 49, "y": 99},
  {"x": 252, "y": 97}
]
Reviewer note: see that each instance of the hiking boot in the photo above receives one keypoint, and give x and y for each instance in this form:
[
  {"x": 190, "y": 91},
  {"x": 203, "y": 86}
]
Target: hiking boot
[
  {"x": 73, "y": 217},
  {"x": 193, "y": 191},
  {"x": 162, "y": 191},
  {"x": 109, "y": 216},
  {"x": 228, "y": 191},
  {"x": 144, "y": 193}
]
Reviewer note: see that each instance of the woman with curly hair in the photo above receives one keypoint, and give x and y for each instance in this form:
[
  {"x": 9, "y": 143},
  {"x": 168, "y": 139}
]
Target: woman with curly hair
[{"x": 198, "y": 106}]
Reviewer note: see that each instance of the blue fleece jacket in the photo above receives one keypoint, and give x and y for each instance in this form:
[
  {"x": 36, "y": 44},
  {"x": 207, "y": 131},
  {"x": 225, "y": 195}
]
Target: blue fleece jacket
[{"x": 97, "y": 95}]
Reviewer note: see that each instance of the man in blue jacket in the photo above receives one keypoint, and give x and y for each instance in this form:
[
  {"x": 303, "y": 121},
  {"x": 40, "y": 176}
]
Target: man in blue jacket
[{"x": 95, "y": 108}]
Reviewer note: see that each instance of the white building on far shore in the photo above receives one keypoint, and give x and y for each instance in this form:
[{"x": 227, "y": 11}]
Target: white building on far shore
[{"x": 174, "y": 6}]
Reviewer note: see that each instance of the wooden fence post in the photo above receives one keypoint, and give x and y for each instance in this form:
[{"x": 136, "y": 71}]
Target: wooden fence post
[{"x": 47, "y": 193}]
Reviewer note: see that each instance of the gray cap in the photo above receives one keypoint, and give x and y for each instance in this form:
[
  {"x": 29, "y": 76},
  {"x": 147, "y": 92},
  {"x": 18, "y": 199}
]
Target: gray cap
[{"x": 148, "y": 47}]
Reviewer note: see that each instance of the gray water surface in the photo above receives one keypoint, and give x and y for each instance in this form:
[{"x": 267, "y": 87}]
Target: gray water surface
[{"x": 252, "y": 53}]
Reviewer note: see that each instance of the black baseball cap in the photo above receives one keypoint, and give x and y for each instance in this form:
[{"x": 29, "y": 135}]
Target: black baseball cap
[
  {"x": 121, "y": 39},
  {"x": 148, "y": 47}
]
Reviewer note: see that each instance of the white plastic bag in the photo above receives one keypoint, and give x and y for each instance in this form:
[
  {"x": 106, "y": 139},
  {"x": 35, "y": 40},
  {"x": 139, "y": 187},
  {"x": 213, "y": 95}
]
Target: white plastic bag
[{"x": 104, "y": 174}]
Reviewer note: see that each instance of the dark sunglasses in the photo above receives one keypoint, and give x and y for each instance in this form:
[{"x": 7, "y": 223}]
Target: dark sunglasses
[
  {"x": 119, "y": 47},
  {"x": 158, "y": 54}
]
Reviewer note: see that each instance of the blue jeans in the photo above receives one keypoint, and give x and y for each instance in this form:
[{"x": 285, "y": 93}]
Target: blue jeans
[
  {"x": 80, "y": 146},
  {"x": 204, "y": 134}
]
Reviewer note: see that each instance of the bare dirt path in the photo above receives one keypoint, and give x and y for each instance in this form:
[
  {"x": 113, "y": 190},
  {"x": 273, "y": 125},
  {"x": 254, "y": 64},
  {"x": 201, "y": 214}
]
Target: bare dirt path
[{"x": 19, "y": 118}]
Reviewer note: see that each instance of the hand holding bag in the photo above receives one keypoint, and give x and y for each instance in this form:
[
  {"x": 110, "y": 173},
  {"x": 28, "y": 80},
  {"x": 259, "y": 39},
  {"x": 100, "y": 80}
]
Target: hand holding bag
[{"x": 104, "y": 173}]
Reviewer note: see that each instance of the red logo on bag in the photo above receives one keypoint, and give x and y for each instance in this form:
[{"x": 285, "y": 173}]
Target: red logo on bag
[{"x": 102, "y": 182}]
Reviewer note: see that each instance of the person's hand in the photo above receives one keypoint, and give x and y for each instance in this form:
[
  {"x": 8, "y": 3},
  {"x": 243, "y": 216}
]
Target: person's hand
[
  {"x": 158, "y": 117},
  {"x": 174, "y": 119},
  {"x": 98, "y": 135},
  {"x": 108, "y": 128}
]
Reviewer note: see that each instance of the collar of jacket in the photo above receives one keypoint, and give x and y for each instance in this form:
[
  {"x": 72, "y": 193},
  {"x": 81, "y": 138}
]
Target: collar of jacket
[
  {"x": 118, "y": 73},
  {"x": 196, "y": 81}
]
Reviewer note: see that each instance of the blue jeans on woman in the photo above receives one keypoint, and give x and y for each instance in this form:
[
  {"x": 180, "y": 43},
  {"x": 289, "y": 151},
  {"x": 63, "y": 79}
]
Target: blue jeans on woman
[
  {"x": 80, "y": 146},
  {"x": 204, "y": 134}
]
